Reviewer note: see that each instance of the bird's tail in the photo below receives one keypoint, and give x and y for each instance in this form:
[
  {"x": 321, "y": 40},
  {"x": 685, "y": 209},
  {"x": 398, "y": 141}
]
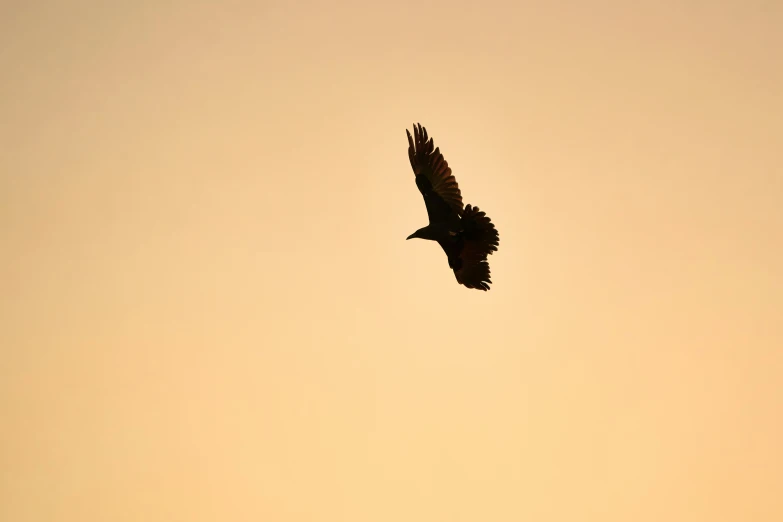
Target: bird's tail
[{"x": 480, "y": 235}]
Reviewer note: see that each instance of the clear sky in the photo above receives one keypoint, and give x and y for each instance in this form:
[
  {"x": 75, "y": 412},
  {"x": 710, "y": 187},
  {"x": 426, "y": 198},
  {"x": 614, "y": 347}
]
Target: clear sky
[{"x": 209, "y": 311}]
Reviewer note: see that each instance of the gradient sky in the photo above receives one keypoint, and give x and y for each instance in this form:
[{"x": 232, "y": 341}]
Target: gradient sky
[{"x": 209, "y": 312}]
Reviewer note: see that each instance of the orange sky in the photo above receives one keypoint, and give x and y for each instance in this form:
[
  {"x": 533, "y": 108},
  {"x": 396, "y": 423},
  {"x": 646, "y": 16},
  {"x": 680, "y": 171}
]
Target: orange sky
[{"x": 209, "y": 311}]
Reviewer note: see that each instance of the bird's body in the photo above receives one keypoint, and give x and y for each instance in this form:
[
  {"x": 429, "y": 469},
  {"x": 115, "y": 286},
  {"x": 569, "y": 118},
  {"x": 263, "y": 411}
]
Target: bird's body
[{"x": 466, "y": 235}]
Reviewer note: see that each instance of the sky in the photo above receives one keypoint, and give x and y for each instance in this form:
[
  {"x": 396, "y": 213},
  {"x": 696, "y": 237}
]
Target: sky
[{"x": 209, "y": 311}]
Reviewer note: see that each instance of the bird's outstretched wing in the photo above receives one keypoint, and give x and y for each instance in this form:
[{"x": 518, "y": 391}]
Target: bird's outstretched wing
[
  {"x": 474, "y": 274},
  {"x": 433, "y": 177},
  {"x": 480, "y": 239}
]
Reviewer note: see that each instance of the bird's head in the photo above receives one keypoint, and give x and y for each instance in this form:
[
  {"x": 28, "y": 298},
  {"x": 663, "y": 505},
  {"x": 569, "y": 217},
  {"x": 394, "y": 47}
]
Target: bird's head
[{"x": 427, "y": 232}]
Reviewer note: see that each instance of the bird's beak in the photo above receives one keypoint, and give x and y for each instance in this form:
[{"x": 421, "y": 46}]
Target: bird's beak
[{"x": 411, "y": 236}]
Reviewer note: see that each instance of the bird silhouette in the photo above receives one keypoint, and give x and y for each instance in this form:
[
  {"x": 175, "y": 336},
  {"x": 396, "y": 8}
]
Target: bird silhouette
[{"x": 466, "y": 235}]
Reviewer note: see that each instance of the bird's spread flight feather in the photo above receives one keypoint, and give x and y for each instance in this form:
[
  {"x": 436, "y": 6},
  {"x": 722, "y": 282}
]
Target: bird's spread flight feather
[
  {"x": 479, "y": 239},
  {"x": 433, "y": 177}
]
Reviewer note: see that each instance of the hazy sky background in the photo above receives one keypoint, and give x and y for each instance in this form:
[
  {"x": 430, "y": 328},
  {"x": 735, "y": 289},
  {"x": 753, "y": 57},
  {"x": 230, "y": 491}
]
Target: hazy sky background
[{"x": 209, "y": 312}]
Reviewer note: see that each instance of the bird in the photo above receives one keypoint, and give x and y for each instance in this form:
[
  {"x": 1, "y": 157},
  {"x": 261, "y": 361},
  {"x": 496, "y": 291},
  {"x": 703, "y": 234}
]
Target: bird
[{"x": 466, "y": 234}]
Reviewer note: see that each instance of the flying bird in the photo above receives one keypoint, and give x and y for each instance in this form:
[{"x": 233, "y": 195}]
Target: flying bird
[{"x": 466, "y": 235}]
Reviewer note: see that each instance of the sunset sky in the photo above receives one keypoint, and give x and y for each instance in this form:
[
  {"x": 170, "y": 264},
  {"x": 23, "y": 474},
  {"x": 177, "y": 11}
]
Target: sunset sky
[{"x": 209, "y": 311}]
